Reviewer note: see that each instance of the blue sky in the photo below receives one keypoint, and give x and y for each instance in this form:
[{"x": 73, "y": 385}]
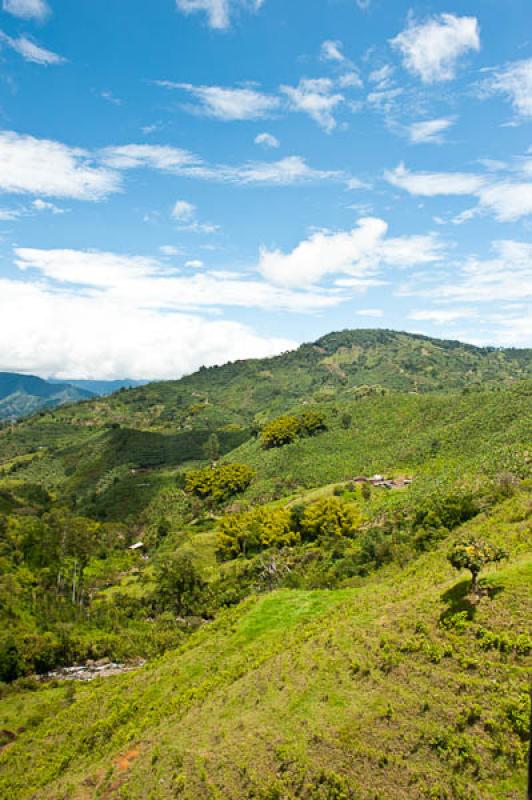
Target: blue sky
[{"x": 185, "y": 182}]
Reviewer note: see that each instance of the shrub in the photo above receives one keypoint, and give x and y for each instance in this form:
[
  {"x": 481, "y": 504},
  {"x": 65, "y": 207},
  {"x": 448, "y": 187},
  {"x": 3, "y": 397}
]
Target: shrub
[
  {"x": 329, "y": 517},
  {"x": 280, "y": 431},
  {"x": 287, "y": 428},
  {"x": 219, "y": 483},
  {"x": 256, "y": 530}
]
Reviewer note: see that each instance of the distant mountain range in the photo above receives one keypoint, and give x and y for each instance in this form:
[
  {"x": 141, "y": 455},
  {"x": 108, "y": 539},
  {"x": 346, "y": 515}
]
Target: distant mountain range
[{"x": 22, "y": 395}]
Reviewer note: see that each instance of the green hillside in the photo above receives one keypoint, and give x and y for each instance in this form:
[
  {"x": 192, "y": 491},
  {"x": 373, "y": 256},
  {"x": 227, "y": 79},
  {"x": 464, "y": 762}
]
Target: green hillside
[
  {"x": 304, "y": 631},
  {"x": 396, "y": 688}
]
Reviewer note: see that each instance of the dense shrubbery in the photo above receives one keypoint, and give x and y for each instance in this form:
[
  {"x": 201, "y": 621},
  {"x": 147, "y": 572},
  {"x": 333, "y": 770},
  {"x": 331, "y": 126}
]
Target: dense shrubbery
[
  {"x": 261, "y": 528},
  {"x": 249, "y": 532},
  {"x": 287, "y": 428},
  {"x": 218, "y": 482}
]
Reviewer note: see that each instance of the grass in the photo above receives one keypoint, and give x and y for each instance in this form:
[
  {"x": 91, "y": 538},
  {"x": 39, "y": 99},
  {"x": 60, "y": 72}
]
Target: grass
[{"x": 310, "y": 694}]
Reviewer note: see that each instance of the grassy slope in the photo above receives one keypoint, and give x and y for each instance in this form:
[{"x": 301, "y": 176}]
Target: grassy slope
[
  {"x": 401, "y": 433},
  {"x": 350, "y": 693},
  {"x": 398, "y": 432}
]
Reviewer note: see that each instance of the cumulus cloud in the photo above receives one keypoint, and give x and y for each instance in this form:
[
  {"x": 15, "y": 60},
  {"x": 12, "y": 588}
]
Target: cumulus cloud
[
  {"x": 60, "y": 337},
  {"x": 228, "y": 104},
  {"x": 358, "y": 253},
  {"x": 218, "y": 12},
  {"x": 27, "y": 9},
  {"x": 514, "y": 80},
  {"x": 142, "y": 309},
  {"x": 44, "y": 167},
  {"x": 429, "y": 131},
  {"x": 317, "y": 98},
  {"x": 432, "y": 49},
  {"x": 30, "y": 51},
  {"x": 267, "y": 140}
]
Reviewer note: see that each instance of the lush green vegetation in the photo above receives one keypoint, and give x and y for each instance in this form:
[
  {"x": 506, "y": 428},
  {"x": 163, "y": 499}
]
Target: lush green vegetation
[{"x": 307, "y": 635}]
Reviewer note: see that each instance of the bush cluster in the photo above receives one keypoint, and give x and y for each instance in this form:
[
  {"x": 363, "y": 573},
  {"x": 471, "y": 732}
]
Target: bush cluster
[
  {"x": 218, "y": 482},
  {"x": 289, "y": 427},
  {"x": 261, "y": 528}
]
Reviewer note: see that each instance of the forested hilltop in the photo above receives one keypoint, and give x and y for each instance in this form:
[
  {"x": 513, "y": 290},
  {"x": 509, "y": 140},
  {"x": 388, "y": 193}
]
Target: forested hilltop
[{"x": 323, "y": 557}]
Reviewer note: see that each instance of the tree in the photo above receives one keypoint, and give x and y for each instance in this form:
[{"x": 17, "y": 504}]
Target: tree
[
  {"x": 474, "y": 555},
  {"x": 211, "y": 448},
  {"x": 179, "y": 583},
  {"x": 252, "y": 531},
  {"x": 345, "y": 421},
  {"x": 330, "y": 517},
  {"x": 218, "y": 482},
  {"x": 280, "y": 431}
]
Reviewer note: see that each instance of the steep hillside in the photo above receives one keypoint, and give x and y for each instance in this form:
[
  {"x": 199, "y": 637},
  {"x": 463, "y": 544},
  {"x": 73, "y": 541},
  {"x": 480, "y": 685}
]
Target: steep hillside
[
  {"x": 399, "y": 688},
  {"x": 348, "y": 363},
  {"x": 22, "y": 395}
]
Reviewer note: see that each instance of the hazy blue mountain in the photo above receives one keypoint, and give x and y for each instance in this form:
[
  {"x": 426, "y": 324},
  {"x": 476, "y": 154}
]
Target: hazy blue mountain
[{"x": 21, "y": 395}]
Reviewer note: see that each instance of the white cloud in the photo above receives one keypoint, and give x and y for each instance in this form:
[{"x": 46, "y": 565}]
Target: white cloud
[
  {"x": 350, "y": 80},
  {"x": 429, "y": 131},
  {"x": 432, "y": 49},
  {"x": 370, "y": 312},
  {"x": 194, "y": 263},
  {"x": 9, "y": 214},
  {"x": 31, "y": 51},
  {"x": 169, "y": 250},
  {"x": 507, "y": 276},
  {"x": 228, "y": 104},
  {"x": 431, "y": 184},
  {"x": 515, "y": 81},
  {"x": 332, "y": 51},
  {"x": 286, "y": 171},
  {"x": 27, "y": 9},
  {"x": 315, "y": 97},
  {"x": 44, "y": 167},
  {"x": 146, "y": 283},
  {"x": 131, "y": 156},
  {"x": 59, "y": 337},
  {"x": 267, "y": 140},
  {"x": 382, "y": 77},
  {"x": 183, "y": 211},
  {"x": 43, "y": 205},
  {"x": 441, "y": 315},
  {"x": 218, "y": 12},
  {"x": 358, "y": 253},
  {"x": 507, "y": 200}
]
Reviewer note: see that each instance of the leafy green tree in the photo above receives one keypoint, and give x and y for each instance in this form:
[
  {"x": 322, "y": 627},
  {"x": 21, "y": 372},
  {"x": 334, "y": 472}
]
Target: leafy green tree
[
  {"x": 179, "y": 584},
  {"x": 280, "y": 431},
  {"x": 218, "y": 482},
  {"x": 252, "y": 531},
  {"x": 212, "y": 448},
  {"x": 330, "y": 517},
  {"x": 474, "y": 555},
  {"x": 312, "y": 422}
]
